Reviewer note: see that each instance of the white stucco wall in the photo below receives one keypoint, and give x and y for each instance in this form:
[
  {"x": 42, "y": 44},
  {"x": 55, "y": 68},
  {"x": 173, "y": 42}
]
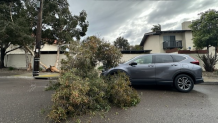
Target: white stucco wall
[
  {"x": 15, "y": 60},
  {"x": 46, "y": 47},
  {"x": 155, "y": 42},
  {"x": 185, "y": 25},
  {"x": 127, "y": 57},
  {"x": 188, "y": 40},
  {"x": 19, "y": 60},
  {"x": 152, "y": 43}
]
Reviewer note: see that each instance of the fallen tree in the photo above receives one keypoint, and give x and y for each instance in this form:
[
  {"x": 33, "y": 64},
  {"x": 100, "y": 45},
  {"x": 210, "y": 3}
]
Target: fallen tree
[{"x": 80, "y": 90}]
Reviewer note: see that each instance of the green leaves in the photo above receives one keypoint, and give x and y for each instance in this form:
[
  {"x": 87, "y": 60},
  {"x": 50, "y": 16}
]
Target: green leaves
[
  {"x": 81, "y": 90},
  {"x": 122, "y": 43},
  {"x": 63, "y": 25},
  {"x": 205, "y": 29},
  {"x": 205, "y": 34},
  {"x": 156, "y": 28},
  {"x": 77, "y": 96}
]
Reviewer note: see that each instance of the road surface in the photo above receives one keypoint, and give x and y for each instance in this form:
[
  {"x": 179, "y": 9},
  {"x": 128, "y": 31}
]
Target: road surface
[{"x": 25, "y": 101}]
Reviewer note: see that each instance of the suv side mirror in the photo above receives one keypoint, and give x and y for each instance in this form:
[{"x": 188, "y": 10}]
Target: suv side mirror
[{"x": 133, "y": 63}]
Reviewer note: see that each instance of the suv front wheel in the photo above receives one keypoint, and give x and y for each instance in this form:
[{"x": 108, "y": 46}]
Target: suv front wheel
[{"x": 183, "y": 83}]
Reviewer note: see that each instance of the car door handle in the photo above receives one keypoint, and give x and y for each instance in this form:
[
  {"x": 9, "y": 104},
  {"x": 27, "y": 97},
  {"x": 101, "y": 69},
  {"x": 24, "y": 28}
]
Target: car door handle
[
  {"x": 173, "y": 64},
  {"x": 150, "y": 65}
]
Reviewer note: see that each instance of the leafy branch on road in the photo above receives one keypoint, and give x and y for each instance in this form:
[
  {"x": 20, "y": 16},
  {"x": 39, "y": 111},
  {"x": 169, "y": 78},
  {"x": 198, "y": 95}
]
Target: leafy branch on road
[{"x": 81, "y": 90}]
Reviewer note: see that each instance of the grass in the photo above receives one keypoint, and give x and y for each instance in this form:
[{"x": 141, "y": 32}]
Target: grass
[{"x": 210, "y": 74}]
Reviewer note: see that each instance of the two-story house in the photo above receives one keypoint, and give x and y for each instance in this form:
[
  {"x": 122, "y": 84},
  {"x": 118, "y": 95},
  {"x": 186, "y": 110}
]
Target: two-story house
[{"x": 163, "y": 41}]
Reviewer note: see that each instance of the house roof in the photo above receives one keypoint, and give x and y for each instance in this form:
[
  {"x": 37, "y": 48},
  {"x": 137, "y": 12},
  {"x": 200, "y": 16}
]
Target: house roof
[
  {"x": 135, "y": 51},
  {"x": 146, "y": 35}
]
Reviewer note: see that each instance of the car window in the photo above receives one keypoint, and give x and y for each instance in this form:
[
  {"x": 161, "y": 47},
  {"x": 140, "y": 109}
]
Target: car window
[
  {"x": 177, "y": 58},
  {"x": 144, "y": 60},
  {"x": 163, "y": 59}
]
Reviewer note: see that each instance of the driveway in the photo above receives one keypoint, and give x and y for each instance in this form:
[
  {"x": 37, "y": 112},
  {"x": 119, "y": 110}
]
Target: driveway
[{"x": 25, "y": 101}]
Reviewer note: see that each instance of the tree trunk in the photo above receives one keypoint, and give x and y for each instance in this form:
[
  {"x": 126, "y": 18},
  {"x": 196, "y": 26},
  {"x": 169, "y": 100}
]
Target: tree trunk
[
  {"x": 57, "y": 58},
  {"x": 28, "y": 61},
  {"x": 43, "y": 65},
  {"x": 2, "y": 57},
  {"x": 11, "y": 13}
]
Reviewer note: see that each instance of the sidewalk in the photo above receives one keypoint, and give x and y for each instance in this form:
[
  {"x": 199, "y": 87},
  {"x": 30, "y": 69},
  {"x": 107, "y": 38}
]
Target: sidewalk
[
  {"x": 50, "y": 75},
  {"x": 210, "y": 80},
  {"x": 28, "y": 75}
]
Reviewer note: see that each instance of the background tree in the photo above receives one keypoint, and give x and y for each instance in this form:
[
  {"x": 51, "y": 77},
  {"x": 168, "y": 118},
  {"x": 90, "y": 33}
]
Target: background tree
[
  {"x": 136, "y": 47},
  {"x": 156, "y": 28},
  {"x": 63, "y": 25},
  {"x": 205, "y": 34},
  {"x": 122, "y": 43},
  {"x": 13, "y": 30},
  {"x": 18, "y": 25}
]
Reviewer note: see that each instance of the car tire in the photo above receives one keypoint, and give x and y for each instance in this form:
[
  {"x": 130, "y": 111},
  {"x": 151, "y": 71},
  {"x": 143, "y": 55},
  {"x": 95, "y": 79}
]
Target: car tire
[{"x": 184, "y": 83}]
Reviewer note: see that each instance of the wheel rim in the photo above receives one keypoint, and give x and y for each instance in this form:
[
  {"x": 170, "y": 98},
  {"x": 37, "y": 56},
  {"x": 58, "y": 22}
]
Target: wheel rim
[{"x": 184, "y": 83}]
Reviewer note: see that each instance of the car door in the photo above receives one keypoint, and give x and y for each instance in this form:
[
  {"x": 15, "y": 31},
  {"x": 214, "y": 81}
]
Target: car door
[
  {"x": 144, "y": 71},
  {"x": 165, "y": 69}
]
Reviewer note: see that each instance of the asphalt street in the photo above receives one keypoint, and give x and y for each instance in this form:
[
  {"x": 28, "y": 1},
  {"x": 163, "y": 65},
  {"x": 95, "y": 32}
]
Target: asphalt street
[{"x": 26, "y": 101}]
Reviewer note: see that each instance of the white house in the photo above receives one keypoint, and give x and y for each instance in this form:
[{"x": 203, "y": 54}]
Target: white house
[{"x": 173, "y": 41}]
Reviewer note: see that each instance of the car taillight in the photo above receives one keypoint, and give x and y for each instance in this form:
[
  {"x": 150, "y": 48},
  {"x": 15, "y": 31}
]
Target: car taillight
[{"x": 195, "y": 62}]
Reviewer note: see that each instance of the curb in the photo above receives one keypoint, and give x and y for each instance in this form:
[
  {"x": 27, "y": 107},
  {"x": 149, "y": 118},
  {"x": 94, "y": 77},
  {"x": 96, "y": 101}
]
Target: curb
[
  {"x": 209, "y": 83},
  {"x": 50, "y": 78},
  {"x": 16, "y": 77},
  {"x": 27, "y": 77}
]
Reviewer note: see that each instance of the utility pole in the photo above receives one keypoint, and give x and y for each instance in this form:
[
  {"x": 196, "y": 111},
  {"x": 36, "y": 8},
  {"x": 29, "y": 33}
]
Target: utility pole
[{"x": 38, "y": 39}]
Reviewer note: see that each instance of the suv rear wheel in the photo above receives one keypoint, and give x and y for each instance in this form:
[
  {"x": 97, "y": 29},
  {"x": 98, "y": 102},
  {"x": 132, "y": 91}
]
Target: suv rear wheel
[{"x": 184, "y": 83}]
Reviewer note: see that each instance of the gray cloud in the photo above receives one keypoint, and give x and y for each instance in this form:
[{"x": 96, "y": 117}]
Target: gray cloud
[
  {"x": 106, "y": 16},
  {"x": 131, "y": 19},
  {"x": 171, "y": 9}
]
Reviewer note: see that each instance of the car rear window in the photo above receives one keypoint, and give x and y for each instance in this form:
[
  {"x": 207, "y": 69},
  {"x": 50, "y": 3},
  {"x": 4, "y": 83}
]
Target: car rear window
[
  {"x": 163, "y": 59},
  {"x": 177, "y": 58}
]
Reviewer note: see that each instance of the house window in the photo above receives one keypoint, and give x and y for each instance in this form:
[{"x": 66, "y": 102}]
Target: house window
[
  {"x": 169, "y": 42},
  {"x": 169, "y": 38}
]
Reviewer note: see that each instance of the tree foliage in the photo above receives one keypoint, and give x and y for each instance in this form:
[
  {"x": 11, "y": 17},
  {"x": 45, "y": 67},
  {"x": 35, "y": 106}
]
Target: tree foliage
[
  {"x": 18, "y": 23},
  {"x": 94, "y": 50},
  {"x": 205, "y": 33},
  {"x": 63, "y": 25},
  {"x": 122, "y": 43},
  {"x": 156, "y": 28},
  {"x": 81, "y": 90},
  {"x": 14, "y": 26},
  {"x": 136, "y": 47}
]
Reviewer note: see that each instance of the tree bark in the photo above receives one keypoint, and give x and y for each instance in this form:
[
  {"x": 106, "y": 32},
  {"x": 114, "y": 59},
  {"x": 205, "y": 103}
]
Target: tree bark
[
  {"x": 28, "y": 61},
  {"x": 57, "y": 58},
  {"x": 43, "y": 65},
  {"x": 11, "y": 14}
]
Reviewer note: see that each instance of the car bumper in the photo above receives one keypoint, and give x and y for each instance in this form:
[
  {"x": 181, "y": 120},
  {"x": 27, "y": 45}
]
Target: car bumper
[{"x": 201, "y": 80}]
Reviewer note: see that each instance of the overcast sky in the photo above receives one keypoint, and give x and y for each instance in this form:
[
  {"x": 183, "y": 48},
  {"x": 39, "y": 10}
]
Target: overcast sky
[{"x": 130, "y": 19}]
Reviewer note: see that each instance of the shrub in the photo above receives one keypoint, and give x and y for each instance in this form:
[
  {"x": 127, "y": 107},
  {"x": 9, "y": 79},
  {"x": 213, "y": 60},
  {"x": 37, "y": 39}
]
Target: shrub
[
  {"x": 209, "y": 62},
  {"x": 11, "y": 68}
]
